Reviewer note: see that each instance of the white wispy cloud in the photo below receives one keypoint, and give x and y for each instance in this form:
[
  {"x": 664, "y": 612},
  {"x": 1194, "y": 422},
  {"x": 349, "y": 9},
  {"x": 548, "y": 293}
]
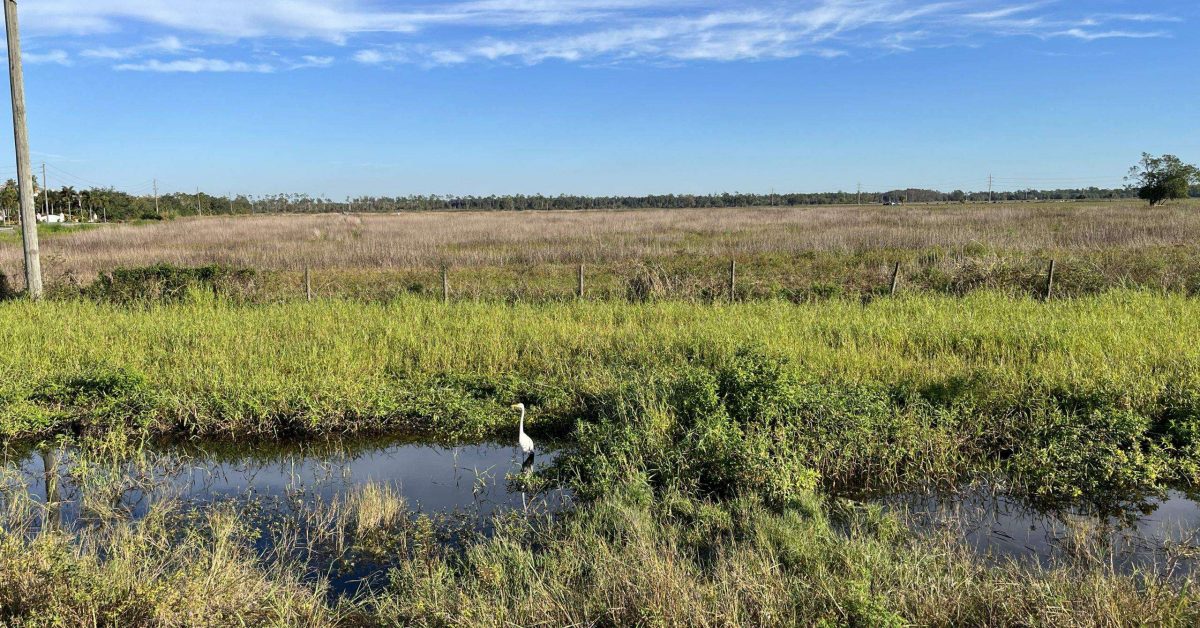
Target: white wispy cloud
[
  {"x": 311, "y": 61},
  {"x": 1086, "y": 35},
  {"x": 1003, "y": 12},
  {"x": 198, "y": 64},
  {"x": 1140, "y": 17},
  {"x": 451, "y": 32},
  {"x": 170, "y": 44},
  {"x": 329, "y": 19},
  {"x": 376, "y": 56},
  {"x": 60, "y": 57}
]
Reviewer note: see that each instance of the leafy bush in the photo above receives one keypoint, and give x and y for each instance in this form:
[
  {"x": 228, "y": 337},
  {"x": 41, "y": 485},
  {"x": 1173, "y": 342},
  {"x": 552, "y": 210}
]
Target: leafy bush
[
  {"x": 166, "y": 282},
  {"x": 6, "y": 289},
  {"x": 1103, "y": 456}
]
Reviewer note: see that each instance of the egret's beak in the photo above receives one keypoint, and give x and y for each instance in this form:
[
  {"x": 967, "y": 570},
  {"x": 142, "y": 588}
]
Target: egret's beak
[{"x": 516, "y": 406}]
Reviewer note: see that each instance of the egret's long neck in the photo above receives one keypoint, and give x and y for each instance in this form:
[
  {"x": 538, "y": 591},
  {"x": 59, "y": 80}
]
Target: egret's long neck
[{"x": 522, "y": 428}]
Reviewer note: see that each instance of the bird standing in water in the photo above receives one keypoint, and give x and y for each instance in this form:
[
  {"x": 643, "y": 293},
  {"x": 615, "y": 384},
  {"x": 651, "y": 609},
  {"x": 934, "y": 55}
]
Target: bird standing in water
[{"x": 523, "y": 438}]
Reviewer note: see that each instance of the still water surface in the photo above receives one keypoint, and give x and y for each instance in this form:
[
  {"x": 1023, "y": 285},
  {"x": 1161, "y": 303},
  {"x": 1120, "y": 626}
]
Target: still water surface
[
  {"x": 468, "y": 479},
  {"x": 1158, "y": 533},
  {"x": 474, "y": 481}
]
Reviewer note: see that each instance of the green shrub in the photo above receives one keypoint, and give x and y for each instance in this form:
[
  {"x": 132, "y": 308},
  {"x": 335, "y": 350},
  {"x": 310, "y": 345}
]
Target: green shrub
[{"x": 169, "y": 283}]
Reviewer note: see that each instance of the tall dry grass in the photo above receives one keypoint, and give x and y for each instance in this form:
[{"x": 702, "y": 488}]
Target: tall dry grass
[{"x": 472, "y": 239}]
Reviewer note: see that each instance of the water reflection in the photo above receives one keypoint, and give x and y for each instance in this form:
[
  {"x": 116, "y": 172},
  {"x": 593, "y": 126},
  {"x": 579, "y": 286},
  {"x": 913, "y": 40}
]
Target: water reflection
[
  {"x": 1159, "y": 533},
  {"x": 50, "y": 474},
  {"x": 431, "y": 478}
]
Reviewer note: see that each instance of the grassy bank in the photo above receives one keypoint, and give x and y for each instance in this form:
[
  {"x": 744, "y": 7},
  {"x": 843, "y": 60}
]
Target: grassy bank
[{"x": 875, "y": 393}]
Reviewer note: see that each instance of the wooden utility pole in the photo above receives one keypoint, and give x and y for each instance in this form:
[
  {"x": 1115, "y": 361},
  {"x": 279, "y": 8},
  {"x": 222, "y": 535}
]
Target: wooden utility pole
[
  {"x": 445, "y": 284},
  {"x": 45, "y": 192},
  {"x": 199, "y": 212},
  {"x": 156, "y": 210},
  {"x": 1050, "y": 281},
  {"x": 29, "y": 235},
  {"x": 581, "y": 281},
  {"x": 895, "y": 279},
  {"x": 308, "y": 283}
]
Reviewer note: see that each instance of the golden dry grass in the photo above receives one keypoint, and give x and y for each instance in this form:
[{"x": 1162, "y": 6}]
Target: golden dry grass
[{"x": 474, "y": 239}]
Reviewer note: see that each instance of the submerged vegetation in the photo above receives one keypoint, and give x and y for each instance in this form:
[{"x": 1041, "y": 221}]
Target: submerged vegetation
[{"x": 633, "y": 557}]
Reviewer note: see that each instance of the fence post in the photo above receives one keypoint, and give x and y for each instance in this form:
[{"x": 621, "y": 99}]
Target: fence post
[
  {"x": 581, "y": 281},
  {"x": 445, "y": 285},
  {"x": 1050, "y": 281},
  {"x": 732, "y": 281},
  {"x": 895, "y": 279},
  {"x": 308, "y": 283}
]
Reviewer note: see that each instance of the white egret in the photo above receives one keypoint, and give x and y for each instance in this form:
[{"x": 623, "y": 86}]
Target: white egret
[{"x": 522, "y": 437}]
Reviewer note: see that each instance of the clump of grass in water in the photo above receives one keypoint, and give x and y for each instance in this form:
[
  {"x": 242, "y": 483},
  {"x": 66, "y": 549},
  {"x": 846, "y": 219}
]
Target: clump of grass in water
[
  {"x": 374, "y": 507},
  {"x": 631, "y": 559},
  {"x": 160, "y": 570}
]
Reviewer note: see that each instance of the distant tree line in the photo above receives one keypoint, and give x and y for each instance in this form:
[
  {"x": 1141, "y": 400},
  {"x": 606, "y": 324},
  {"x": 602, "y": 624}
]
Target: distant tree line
[{"x": 112, "y": 205}]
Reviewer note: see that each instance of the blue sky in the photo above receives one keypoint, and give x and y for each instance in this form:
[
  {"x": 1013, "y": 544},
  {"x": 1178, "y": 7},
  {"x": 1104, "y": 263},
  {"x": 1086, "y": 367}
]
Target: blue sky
[{"x": 396, "y": 97}]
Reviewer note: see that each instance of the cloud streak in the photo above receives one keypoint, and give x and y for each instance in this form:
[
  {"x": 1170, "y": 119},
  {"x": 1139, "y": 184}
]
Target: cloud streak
[
  {"x": 58, "y": 57},
  {"x": 170, "y": 44},
  {"x": 196, "y": 65},
  {"x": 1079, "y": 33},
  {"x": 428, "y": 33}
]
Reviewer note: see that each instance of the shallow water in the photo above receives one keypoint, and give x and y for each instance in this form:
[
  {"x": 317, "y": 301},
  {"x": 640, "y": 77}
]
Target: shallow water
[
  {"x": 469, "y": 479},
  {"x": 473, "y": 483},
  {"x": 1159, "y": 534}
]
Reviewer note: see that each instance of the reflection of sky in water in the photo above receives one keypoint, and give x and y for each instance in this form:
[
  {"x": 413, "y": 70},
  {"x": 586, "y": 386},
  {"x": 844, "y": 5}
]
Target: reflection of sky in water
[
  {"x": 468, "y": 478},
  {"x": 1004, "y": 527},
  {"x": 472, "y": 479}
]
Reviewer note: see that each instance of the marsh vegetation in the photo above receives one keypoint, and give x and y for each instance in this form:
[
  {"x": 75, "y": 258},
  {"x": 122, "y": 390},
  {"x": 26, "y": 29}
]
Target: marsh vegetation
[
  {"x": 796, "y": 254},
  {"x": 722, "y": 447},
  {"x": 778, "y": 460}
]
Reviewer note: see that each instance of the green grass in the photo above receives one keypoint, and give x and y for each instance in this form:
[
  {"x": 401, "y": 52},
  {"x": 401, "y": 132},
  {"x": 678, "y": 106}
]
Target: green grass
[
  {"x": 705, "y": 444},
  {"x": 44, "y": 231},
  {"x": 921, "y": 386}
]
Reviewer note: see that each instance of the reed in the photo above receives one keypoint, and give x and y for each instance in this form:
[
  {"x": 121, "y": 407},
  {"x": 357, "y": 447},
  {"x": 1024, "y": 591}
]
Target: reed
[{"x": 520, "y": 242}]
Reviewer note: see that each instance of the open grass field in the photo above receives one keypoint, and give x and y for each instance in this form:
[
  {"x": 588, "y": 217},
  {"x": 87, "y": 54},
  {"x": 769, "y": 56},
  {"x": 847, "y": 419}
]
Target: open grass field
[
  {"x": 793, "y": 253},
  {"x": 722, "y": 455}
]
